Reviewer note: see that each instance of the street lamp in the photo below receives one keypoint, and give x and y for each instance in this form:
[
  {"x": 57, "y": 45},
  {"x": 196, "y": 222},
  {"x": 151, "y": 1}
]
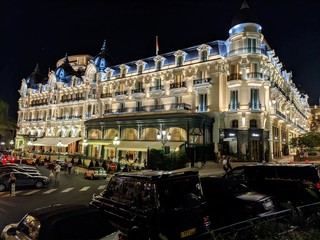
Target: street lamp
[
  {"x": 116, "y": 142},
  {"x": 84, "y": 144},
  {"x": 29, "y": 145},
  {"x": 11, "y": 144},
  {"x": 163, "y": 137},
  {"x": 59, "y": 144}
]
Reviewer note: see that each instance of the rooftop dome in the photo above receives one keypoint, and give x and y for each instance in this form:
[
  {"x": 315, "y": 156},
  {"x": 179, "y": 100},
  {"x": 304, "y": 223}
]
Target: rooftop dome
[
  {"x": 34, "y": 78},
  {"x": 65, "y": 71},
  {"x": 103, "y": 59},
  {"x": 244, "y": 15}
]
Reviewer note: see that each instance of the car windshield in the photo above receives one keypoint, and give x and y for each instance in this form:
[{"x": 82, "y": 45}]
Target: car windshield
[{"x": 30, "y": 226}]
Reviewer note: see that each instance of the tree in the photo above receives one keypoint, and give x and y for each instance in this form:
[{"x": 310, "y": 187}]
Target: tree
[
  {"x": 7, "y": 125},
  {"x": 309, "y": 140}
]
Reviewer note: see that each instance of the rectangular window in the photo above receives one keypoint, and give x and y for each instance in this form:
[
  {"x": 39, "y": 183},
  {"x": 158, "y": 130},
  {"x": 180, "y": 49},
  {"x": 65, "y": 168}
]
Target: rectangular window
[
  {"x": 202, "y": 75},
  {"x": 252, "y": 45},
  {"x": 203, "y": 102},
  {"x": 255, "y": 103},
  {"x": 139, "y": 69},
  {"x": 235, "y": 72},
  {"x": 234, "y": 105},
  {"x": 138, "y": 106},
  {"x": 179, "y": 61}
]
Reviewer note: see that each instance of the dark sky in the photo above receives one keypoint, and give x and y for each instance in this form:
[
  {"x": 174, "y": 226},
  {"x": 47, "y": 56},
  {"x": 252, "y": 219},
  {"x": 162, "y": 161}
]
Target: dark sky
[{"x": 43, "y": 31}]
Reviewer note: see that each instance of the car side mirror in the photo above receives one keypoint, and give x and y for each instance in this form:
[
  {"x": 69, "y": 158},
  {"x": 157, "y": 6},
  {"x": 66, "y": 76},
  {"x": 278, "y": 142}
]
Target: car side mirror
[{"x": 12, "y": 231}]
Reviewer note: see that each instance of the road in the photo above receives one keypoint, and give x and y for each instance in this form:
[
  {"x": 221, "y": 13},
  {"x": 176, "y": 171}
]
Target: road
[{"x": 71, "y": 189}]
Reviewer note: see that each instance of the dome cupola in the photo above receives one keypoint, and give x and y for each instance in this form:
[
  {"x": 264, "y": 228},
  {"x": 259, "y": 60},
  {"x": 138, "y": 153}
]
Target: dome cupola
[
  {"x": 65, "y": 71},
  {"x": 35, "y": 78},
  {"x": 103, "y": 59},
  {"x": 245, "y": 21}
]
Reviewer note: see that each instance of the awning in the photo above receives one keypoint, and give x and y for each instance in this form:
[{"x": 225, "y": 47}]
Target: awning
[
  {"x": 53, "y": 141},
  {"x": 136, "y": 145}
]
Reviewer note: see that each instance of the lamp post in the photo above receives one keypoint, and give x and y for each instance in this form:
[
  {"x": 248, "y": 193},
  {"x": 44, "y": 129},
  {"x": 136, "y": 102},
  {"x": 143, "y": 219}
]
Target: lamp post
[
  {"x": 116, "y": 142},
  {"x": 85, "y": 144},
  {"x": 59, "y": 144},
  {"x": 11, "y": 144},
  {"x": 164, "y": 137}
]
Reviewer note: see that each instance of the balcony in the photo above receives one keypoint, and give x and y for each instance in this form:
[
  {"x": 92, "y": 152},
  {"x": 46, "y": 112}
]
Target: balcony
[
  {"x": 255, "y": 75},
  {"x": 156, "y": 91},
  {"x": 121, "y": 95},
  {"x": 150, "y": 108},
  {"x": 177, "y": 88},
  {"x": 202, "y": 84},
  {"x": 106, "y": 95},
  {"x": 234, "y": 76},
  {"x": 137, "y": 93},
  {"x": 247, "y": 51}
]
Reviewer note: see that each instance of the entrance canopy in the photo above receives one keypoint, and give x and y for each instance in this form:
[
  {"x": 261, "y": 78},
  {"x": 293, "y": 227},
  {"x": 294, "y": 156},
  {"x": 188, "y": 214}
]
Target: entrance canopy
[{"x": 53, "y": 141}]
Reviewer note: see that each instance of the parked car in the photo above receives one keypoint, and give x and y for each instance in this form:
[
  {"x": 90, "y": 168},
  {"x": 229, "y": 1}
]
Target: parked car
[
  {"x": 20, "y": 165},
  {"x": 20, "y": 169},
  {"x": 95, "y": 173},
  {"x": 230, "y": 201},
  {"x": 60, "y": 221},
  {"x": 149, "y": 204},
  {"x": 14, "y": 170},
  {"x": 297, "y": 183},
  {"x": 23, "y": 180}
]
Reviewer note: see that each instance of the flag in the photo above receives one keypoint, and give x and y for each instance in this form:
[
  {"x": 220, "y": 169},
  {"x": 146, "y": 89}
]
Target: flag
[{"x": 157, "y": 46}]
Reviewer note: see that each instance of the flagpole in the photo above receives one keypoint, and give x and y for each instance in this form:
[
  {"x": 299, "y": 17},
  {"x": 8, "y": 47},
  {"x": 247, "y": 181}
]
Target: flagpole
[{"x": 157, "y": 45}]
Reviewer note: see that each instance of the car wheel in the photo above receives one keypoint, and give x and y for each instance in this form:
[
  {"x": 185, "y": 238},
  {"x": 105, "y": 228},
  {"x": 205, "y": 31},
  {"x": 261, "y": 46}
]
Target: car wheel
[
  {"x": 2, "y": 187},
  {"x": 136, "y": 234},
  {"x": 92, "y": 177},
  {"x": 39, "y": 184}
]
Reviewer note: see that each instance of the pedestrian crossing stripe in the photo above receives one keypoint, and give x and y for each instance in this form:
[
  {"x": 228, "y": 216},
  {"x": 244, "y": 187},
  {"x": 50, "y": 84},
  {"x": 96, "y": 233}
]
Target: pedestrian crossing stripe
[
  {"x": 24, "y": 193},
  {"x": 50, "y": 191},
  {"x": 84, "y": 189},
  {"x": 67, "y": 190},
  {"x": 31, "y": 192}
]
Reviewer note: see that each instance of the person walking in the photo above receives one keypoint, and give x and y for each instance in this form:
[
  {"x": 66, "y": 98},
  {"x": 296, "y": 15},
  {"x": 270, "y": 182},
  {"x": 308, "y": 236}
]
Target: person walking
[
  {"x": 229, "y": 167},
  {"x": 225, "y": 164},
  {"x": 12, "y": 184},
  {"x": 51, "y": 175},
  {"x": 69, "y": 167},
  {"x": 57, "y": 169}
]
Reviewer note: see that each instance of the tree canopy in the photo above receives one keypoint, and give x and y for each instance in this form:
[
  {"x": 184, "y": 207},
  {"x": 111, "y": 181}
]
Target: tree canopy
[
  {"x": 309, "y": 140},
  {"x": 7, "y": 125}
]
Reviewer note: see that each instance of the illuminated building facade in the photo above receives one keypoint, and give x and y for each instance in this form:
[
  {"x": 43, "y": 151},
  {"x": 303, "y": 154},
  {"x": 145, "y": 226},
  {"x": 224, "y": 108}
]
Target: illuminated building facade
[{"x": 233, "y": 96}]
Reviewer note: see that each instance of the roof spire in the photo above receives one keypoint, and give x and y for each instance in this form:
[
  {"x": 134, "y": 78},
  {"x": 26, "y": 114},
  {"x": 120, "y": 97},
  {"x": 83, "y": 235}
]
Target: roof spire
[
  {"x": 244, "y": 4},
  {"x": 66, "y": 60},
  {"x": 104, "y": 46},
  {"x": 37, "y": 69}
]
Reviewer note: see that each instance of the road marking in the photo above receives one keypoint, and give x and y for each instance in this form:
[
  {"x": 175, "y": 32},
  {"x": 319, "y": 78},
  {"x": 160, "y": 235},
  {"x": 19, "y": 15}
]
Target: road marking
[
  {"x": 6, "y": 194},
  {"x": 102, "y": 187},
  {"x": 50, "y": 191},
  {"x": 84, "y": 189},
  {"x": 31, "y": 192},
  {"x": 68, "y": 189}
]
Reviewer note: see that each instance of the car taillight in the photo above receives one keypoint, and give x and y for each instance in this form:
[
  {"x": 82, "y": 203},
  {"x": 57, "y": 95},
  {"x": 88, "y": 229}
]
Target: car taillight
[
  {"x": 318, "y": 186},
  {"x": 206, "y": 222}
]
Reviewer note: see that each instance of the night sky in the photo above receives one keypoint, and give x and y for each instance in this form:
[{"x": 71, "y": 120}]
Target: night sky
[{"x": 43, "y": 31}]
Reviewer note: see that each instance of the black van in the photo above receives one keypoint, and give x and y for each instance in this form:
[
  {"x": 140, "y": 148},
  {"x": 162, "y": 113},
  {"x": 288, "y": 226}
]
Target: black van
[
  {"x": 297, "y": 183},
  {"x": 156, "y": 205}
]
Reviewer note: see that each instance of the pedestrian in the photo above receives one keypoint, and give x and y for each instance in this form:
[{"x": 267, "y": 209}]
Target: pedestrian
[
  {"x": 69, "y": 167},
  {"x": 51, "y": 175},
  {"x": 12, "y": 184},
  {"x": 145, "y": 164},
  {"x": 225, "y": 164},
  {"x": 229, "y": 167},
  {"x": 125, "y": 169},
  {"x": 57, "y": 169}
]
